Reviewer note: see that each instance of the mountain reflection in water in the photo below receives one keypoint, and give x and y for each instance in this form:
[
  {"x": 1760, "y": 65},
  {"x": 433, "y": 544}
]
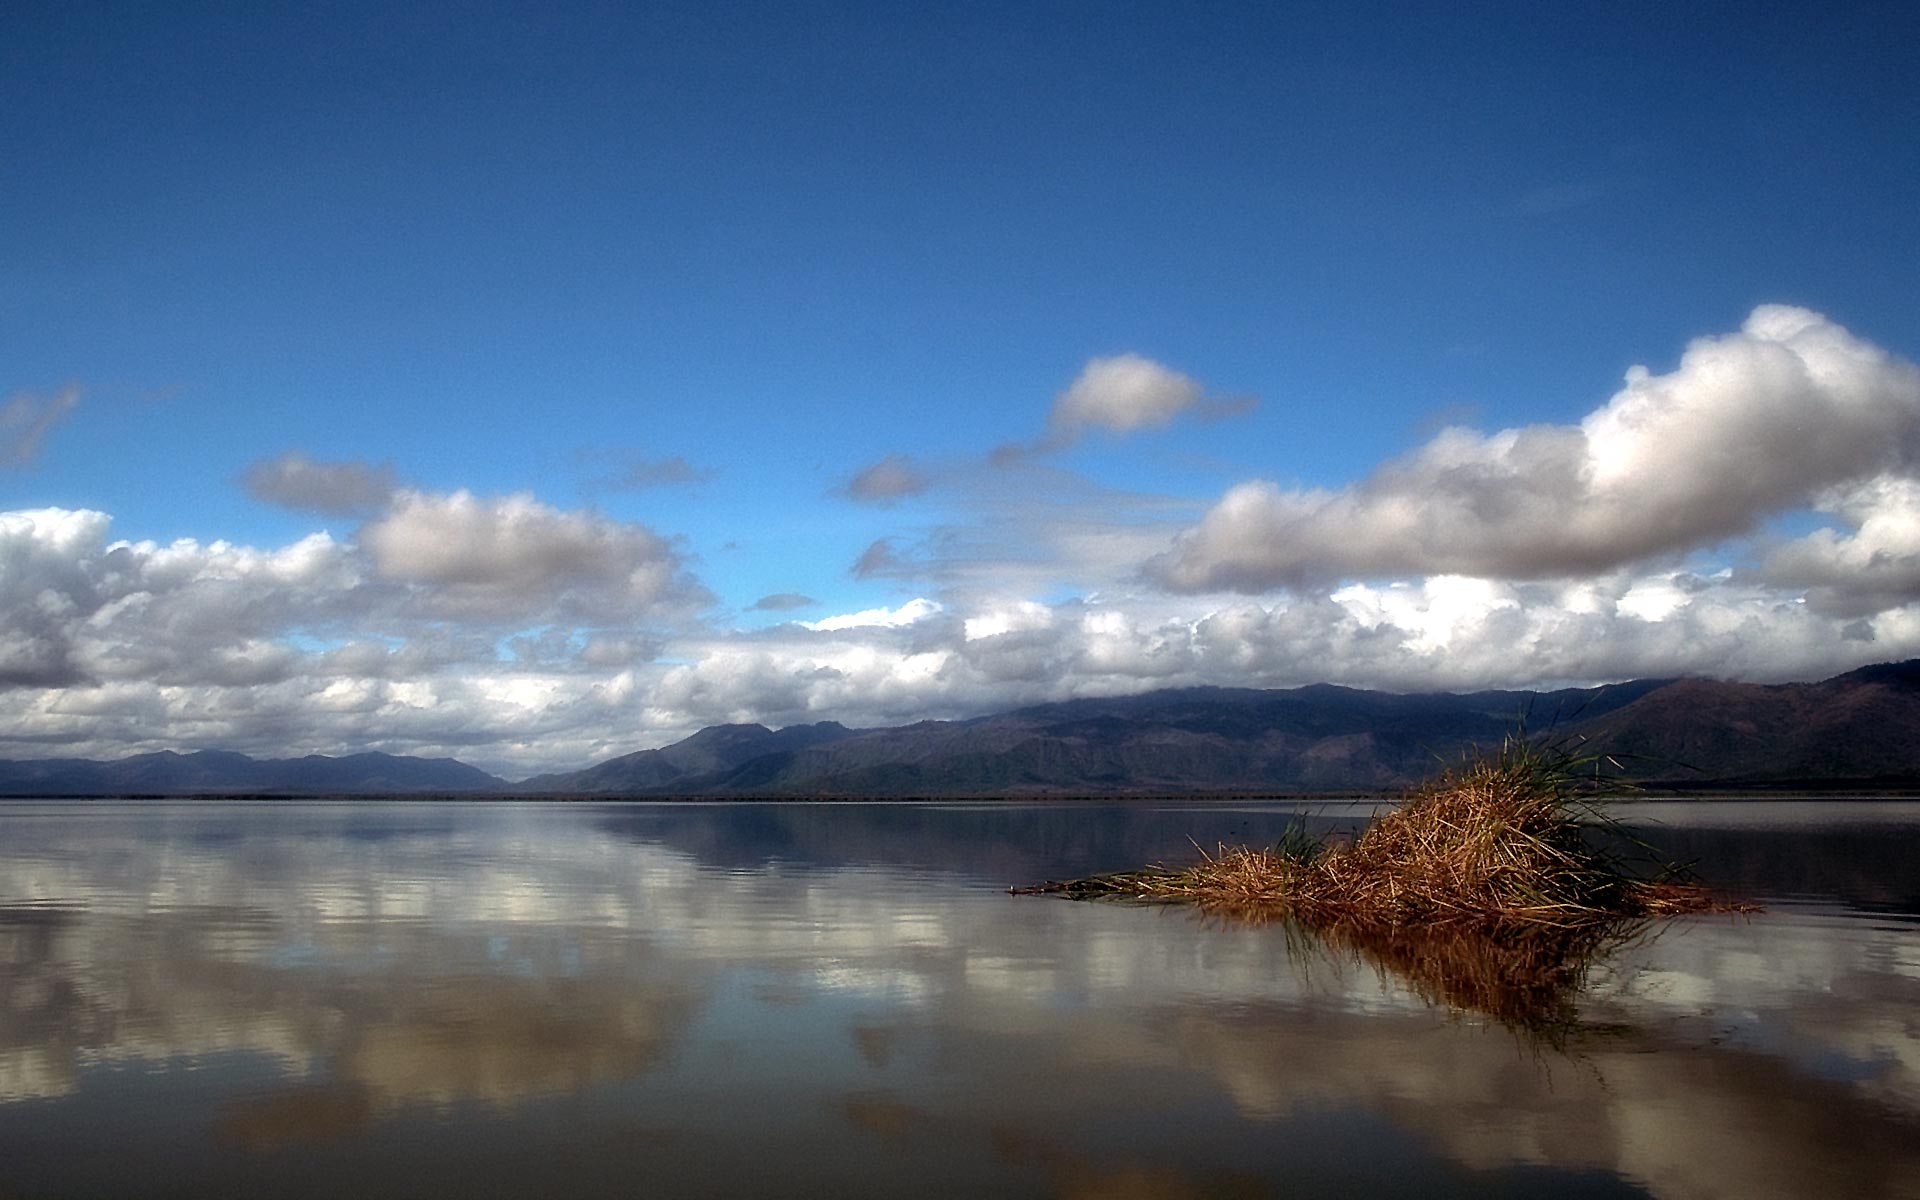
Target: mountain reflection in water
[{"x": 403, "y": 999}]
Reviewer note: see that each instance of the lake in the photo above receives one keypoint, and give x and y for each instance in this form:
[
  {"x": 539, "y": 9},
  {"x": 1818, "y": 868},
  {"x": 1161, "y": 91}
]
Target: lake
[{"x": 504, "y": 999}]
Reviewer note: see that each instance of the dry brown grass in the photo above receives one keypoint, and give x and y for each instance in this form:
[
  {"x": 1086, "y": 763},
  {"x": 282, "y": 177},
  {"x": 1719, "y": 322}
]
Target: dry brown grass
[{"x": 1500, "y": 842}]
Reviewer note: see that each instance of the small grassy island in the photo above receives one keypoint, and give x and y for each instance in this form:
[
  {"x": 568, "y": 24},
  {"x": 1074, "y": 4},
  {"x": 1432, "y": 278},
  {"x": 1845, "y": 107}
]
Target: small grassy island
[
  {"x": 1502, "y": 842},
  {"x": 1493, "y": 888}
]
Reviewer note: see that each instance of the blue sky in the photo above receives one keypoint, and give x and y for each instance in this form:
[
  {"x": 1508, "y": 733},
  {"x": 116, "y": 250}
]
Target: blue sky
[{"x": 582, "y": 322}]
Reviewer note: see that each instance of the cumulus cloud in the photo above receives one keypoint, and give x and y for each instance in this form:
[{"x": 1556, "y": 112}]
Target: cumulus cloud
[
  {"x": 76, "y": 609},
  {"x": 111, "y": 647},
  {"x": 1749, "y": 424},
  {"x": 1873, "y": 568},
  {"x": 513, "y": 554},
  {"x": 892, "y": 478},
  {"x": 523, "y": 636},
  {"x": 348, "y": 489},
  {"x": 1121, "y": 394},
  {"x": 25, "y": 420},
  {"x": 43, "y": 590}
]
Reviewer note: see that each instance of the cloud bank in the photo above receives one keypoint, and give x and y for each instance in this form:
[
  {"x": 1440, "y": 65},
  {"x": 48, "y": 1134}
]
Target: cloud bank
[
  {"x": 523, "y": 636},
  {"x": 326, "y": 645}
]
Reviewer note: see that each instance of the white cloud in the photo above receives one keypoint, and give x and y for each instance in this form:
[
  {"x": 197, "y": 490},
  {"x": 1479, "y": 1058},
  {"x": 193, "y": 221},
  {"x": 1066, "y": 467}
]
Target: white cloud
[
  {"x": 1749, "y": 425},
  {"x": 113, "y": 647},
  {"x": 1875, "y": 567},
  {"x": 912, "y": 612},
  {"x": 523, "y": 636},
  {"x": 1122, "y": 394},
  {"x": 1453, "y": 633},
  {"x": 516, "y": 556}
]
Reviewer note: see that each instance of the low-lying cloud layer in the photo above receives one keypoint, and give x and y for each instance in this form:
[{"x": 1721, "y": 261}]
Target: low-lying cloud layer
[
  {"x": 1748, "y": 426},
  {"x": 113, "y": 647}
]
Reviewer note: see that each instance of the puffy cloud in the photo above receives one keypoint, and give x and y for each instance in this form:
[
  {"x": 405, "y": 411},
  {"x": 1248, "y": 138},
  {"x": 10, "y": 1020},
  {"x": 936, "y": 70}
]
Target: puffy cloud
[
  {"x": 116, "y": 647},
  {"x": 338, "y": 488},
  {"x": 891, "y": 478},
  {"x": 523, "y": 637},
  {"x": 515, "y": 555},
  {"x": 76, "y": 609},
  {"x": 44, "y": 592},
  {"x": 1122, "y": 394},
  {"x": 25, "y": 420},
  {"x": 1876, "y": 567},
  {"x": 1747, "y": 426},
  {"x": 113, "y": 647},
  {"x": 1445, "y": 633}
]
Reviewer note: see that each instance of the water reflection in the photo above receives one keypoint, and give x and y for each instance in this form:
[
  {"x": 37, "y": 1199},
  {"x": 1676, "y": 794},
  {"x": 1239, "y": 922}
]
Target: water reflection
[
  {"x": 1529, "y": 979},
  {"x": 729, "y": 1000}
]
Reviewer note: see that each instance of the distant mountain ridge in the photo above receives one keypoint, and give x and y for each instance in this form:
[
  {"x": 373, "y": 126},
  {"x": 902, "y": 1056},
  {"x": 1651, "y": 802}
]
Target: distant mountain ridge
[
  {"x": 1317, "y": 738},
  {"x": 1862, "y": 727},
  {"x": 216, "y": 772}
]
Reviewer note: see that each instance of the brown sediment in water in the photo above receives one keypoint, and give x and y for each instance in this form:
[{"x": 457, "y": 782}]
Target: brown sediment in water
[{"x": 1500, "y": 843}]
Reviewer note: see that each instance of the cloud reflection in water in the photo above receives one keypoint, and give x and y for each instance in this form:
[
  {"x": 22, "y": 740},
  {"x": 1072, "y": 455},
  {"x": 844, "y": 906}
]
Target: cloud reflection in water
[{"x": 712, "y": 1018}]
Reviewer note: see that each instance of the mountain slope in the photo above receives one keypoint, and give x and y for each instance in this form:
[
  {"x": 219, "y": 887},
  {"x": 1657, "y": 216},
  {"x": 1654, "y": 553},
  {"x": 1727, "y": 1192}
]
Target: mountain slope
[
  {"x": 1319, "y": 738},
  {"x": 1863, "y": 725},
  {"x": 715, "y": 750}
]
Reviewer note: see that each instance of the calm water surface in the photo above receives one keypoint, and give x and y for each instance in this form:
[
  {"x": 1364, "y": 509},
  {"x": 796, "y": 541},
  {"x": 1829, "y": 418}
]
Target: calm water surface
[{"x": 395, "y": 999}]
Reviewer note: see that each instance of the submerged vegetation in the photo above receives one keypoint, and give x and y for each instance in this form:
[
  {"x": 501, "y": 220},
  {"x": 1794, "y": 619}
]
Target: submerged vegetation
[{"x": 1504, "y": 841}]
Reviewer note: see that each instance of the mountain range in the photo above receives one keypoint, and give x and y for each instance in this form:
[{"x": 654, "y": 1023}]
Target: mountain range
[
  {"x": 1861, "y": 729},
  {"x": 220, "y": 772}
]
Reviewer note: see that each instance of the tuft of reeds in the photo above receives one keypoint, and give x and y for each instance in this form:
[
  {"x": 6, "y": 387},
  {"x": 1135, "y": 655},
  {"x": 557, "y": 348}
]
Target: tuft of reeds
[{"x": 1504, "y": 840}]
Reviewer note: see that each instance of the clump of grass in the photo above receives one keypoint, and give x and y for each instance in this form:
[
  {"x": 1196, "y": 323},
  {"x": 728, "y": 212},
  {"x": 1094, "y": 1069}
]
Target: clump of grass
[{"x": 1503, "y": 840}]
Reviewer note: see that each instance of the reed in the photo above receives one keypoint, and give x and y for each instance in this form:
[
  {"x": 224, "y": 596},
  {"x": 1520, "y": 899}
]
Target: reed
[{"x": 1503, "y": 840}]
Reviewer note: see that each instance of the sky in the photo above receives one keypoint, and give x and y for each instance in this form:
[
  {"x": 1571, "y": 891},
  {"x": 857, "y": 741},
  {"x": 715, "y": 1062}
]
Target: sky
[{"x": 538, "y": 383}]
